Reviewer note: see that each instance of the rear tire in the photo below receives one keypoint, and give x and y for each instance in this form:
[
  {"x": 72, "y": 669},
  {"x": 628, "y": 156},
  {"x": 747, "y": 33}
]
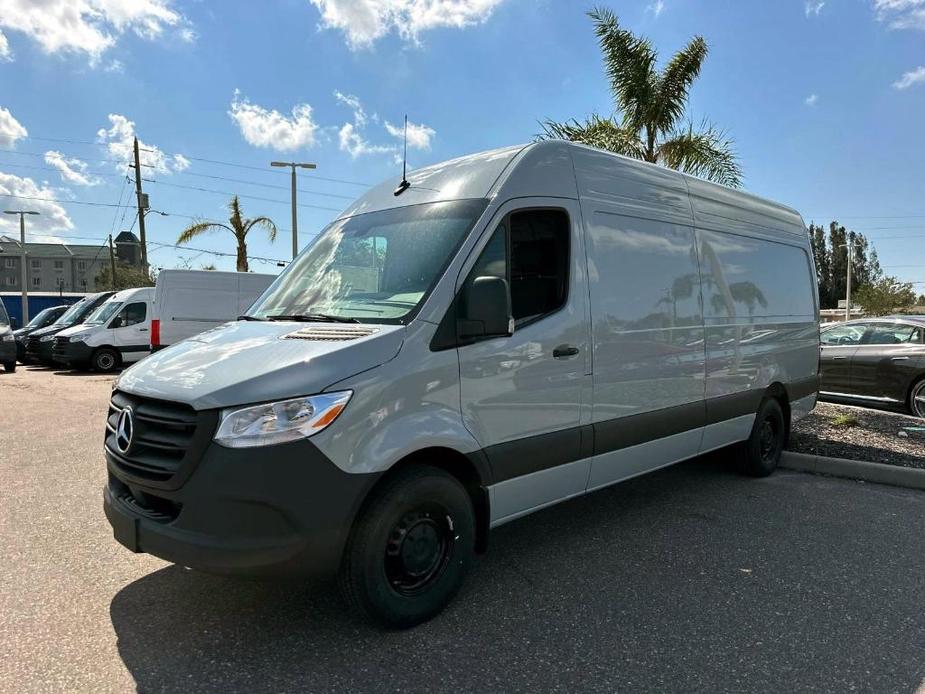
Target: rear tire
[
  {"x": 104, "y": 360},
  {"x": 9, "y": 366},
  {"x": 917, "y": 398},
  {"x": 410, "y": 549},
  {"x": 760, "y": 454}
]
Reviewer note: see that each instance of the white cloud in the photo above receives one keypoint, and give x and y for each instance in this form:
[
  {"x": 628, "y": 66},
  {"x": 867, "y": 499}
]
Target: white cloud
[
  {"x": 901, "y": 14},
  {"x": 365, "y": 21},
  {"x": 26, "y": 194},
  {"x": 119, "y": 142},
  {"x": 90, "y": 27},
  {"x": 5, "y": 52},
  {"x": 811, "y": 100},
  {"x": 10, "y": 129},
  {"x": 350, "y": 136},
  {"x": 419, "y": 135},
  {"x": 72, "y": 170},
  {"x": 657, "y": 8},
  {"x": 352, "y": 141},
  {"x": 270, "y": 128},
  {"x": 911, "y": 78},
  {"x": 814, "y": 7}
]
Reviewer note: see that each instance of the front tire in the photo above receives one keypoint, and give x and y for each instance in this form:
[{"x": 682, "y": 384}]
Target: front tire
[
  {"x": 9, "y": 366},
  {"x": 104, "y": 360},
  {"x": 917, "y": 398},
  {"x": 760, "y": 454},
  {"x": 410, "y": 549}
]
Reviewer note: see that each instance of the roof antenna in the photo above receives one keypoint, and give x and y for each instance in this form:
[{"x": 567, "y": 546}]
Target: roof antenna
[{"x": 404, "y": 185}]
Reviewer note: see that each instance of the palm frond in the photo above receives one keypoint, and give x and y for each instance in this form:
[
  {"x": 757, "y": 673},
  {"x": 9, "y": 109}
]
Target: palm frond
[
  {"x": 630, "y": 65},
  {"x": 675, "y": 83},
  {"x": 198, "y": 228},
  {"x": 598, "y": 132},
  {"x": 707, "y": 153},
  {"x": 264, "y": 222}
]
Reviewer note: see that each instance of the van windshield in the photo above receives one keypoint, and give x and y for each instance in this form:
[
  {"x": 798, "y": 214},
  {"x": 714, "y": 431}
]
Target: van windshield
[
  {"x": 103, "y": 313},
  {"x": 70, "y": 316},
  {"x": 375, "y": 268}
]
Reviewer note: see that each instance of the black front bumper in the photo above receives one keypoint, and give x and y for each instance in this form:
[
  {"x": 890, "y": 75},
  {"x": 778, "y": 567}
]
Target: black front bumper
[
  {"x": 66, "y": 352},
  {"x": 38, "y": 351},
  {"x": 284, "y": 509}
]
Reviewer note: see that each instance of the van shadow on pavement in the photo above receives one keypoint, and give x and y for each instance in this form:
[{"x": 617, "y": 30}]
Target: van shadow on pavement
[{"x": 692, "y": 578}]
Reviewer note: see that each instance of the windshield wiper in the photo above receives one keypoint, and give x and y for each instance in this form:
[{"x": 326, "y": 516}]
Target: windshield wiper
[
  {"x": 243, "y": 317},
  {"x": 314, "y": 318}
]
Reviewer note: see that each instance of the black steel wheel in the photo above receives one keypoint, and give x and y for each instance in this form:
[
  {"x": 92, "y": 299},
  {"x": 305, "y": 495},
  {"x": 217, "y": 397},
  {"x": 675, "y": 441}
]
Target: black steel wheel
[
  {"x": 760, "y": 454},
  {"x": 410, "y": 548},
  {"x": 104, "y": 360}
]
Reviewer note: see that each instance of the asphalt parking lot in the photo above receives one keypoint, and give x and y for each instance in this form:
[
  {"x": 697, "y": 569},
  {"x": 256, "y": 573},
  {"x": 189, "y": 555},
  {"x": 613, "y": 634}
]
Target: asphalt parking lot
[{"x": 692, "y": 579}]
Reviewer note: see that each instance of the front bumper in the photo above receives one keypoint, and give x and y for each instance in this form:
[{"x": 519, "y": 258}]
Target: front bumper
[
  {"x": 38, "y": 351},
  {"x": 70, "y": 352},
  {"x": 282, "y": 509}
]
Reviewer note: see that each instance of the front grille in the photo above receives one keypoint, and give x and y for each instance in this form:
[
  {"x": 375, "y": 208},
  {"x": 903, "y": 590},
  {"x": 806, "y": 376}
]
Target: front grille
[
  {"x": 60, "y": 343},
  {"x": 32, "y": 344},
  {"x": 167, "y": 437}
]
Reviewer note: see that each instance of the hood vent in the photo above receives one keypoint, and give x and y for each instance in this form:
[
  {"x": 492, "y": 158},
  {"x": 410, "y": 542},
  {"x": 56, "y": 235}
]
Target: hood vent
[{"x": 332, "y": 333}]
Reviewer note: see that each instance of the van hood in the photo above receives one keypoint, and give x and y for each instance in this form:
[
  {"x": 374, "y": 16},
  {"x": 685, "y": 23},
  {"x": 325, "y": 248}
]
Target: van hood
[
  {"x": 247, "y": 362},
  {"x": 77, "y": 329},
  {"x": 52, "y": 329}
]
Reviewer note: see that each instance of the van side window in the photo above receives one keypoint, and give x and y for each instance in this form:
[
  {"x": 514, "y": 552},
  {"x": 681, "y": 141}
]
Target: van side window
[
  {"x": 531, "y": 250},
  {"x": 132, "y": 314}
]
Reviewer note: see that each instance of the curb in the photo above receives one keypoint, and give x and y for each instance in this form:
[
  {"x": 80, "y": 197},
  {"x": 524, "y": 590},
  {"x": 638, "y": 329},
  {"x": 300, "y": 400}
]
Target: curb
[{"x": 880, "y": 473}]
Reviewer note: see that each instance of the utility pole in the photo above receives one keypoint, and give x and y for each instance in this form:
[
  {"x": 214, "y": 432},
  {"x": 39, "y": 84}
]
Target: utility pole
[
  {"x": 295, "y": 218},
  {"x": 112, "y": 263},
  {"x": 142, "y": 201},
  {"x": 22, "y": 248},
  {"x": 850, "y": 246}
]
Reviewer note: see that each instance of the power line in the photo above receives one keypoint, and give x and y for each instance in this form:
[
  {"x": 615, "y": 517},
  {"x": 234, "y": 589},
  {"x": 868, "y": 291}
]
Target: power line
[{"x": 244, "y": 195}]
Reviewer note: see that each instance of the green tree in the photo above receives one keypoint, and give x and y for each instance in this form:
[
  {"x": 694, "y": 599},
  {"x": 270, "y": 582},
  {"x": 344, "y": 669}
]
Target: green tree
[
  {"x": 885, "y": 295},
  {"x": 127, "y": 277},
  {"x": 830, "y": 253},
  {"x": 238, "y": 225},
  {"x": 651, "y": 104}
]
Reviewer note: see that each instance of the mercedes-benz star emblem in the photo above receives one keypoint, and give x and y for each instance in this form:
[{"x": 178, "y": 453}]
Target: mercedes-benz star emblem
[{"x": 125, "y": 429}]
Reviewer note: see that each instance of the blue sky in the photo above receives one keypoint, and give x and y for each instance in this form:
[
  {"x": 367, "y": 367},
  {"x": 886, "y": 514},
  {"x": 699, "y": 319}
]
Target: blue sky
[{"x": 825, "y": 101}]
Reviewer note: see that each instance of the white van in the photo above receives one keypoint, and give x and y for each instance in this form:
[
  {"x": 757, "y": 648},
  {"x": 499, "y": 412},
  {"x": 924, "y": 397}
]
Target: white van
[
  {"x": 496, "y": 334},
  {"x": 187, "y": 302},
  {"x": 116, "y": 333}
]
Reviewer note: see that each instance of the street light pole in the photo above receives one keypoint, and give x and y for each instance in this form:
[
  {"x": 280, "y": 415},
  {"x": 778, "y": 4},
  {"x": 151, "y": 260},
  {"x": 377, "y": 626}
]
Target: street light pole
[
  {"x": 24, "y": 274},
  {"x": 295, "y": 218},
  {"x": 850, "y": 246}
]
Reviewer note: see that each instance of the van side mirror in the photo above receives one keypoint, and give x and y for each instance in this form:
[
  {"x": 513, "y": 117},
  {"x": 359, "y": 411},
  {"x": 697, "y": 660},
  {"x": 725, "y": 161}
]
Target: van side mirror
[
  {"x": 14, "y": 323},
  {"x": 486, "y": 309}
]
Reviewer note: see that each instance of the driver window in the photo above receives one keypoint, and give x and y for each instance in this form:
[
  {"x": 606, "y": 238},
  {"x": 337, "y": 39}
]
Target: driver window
[
  {"x": 531, "y": 250},
  {"x": 132, "y": 314},
  {"x": 843, "y": 335}
]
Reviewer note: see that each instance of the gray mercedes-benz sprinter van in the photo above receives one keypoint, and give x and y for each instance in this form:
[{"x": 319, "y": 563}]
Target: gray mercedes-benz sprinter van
[{"x": 512, "y": 329}]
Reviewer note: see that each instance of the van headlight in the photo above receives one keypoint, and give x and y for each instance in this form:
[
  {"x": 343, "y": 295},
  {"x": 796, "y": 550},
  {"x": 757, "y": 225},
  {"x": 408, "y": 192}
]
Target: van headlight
[
  {"x": 79, "y": 337},
  {"x": 8, "y": 337},
  {"x": 46, "y": 338},
  {"x": 279, "y": 422}
]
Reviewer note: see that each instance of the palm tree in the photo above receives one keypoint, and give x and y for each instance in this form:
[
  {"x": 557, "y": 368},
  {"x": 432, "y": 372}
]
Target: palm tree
[
  {"x": 237, "y": 225},
  {"x": 652, "y": 103}
]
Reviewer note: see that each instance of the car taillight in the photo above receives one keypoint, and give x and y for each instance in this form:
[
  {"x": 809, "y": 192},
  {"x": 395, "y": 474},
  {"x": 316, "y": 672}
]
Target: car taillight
[{"x": 155, "y": 332}]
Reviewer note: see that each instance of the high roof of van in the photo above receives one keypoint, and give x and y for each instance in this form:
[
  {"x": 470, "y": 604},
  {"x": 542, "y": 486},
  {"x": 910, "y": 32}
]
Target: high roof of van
[
  {"x": 135, "y": 294},
  {"x": 550, "y": 168}
]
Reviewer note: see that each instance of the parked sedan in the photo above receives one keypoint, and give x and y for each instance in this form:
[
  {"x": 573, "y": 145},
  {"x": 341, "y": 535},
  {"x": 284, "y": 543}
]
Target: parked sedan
[{"x": 875, "y": 363}]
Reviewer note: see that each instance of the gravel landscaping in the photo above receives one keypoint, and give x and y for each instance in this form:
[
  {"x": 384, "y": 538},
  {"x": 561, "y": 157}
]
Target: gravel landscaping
[{"x": 856, "y": 433}]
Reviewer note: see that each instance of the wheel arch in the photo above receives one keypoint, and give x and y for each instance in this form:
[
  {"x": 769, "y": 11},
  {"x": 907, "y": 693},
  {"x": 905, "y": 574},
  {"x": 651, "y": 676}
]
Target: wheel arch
[
  {"x": 778, "y": 392},
  {"x": 470, "y": 470}
]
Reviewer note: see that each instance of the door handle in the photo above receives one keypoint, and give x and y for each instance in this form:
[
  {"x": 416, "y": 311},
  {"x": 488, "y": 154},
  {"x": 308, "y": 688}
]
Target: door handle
[
  {"x": 834, "y": 358},
  {"x": 563, "y": 351},
  {"x": 898, "y": 358},
  {"x": 142, "y": 330}
]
